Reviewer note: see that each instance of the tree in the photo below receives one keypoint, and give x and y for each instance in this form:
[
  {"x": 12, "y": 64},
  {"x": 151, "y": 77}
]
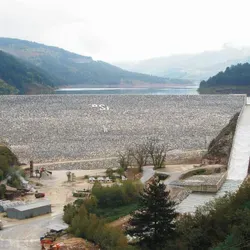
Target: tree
[
  {"x": 124, "y": 159},
  {"x": 153, "y": 224},
  {"x": 140, "y": 155},
  {"x": 1, "y": 175},
  {"x": 4, "y": 165},
  {"x": 2, "y": 191},
  {"x": 110, "y": 172},
  {"x": 157, "y": 153},
  {"x": 120, "y": 171}
]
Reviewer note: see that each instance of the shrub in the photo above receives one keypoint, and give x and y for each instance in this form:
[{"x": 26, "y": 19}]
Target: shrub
[
  {"x": 116, "y": 195},
  {"x": 90, "y": 227}
]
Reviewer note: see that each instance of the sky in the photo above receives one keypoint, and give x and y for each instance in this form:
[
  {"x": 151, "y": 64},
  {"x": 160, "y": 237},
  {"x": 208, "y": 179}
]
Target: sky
[{"x": 128, "y": 30}]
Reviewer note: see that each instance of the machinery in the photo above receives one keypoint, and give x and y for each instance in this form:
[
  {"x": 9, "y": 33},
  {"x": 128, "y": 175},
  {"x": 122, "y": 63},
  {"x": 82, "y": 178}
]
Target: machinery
[
  {"x": 41, "y": 171},
  {"x": 48, "y": 240}
]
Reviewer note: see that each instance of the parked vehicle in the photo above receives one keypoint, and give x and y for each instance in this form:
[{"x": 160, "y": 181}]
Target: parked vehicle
[{"x": 39, "y": 195}]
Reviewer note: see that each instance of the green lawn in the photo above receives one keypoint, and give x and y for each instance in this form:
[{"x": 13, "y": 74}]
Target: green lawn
[{"x": 112, "y": 214}]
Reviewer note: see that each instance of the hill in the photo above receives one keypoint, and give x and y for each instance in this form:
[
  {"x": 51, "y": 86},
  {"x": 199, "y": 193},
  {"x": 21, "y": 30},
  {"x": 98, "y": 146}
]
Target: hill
[
  {"x": 72, "y": 69},
  {"x": 235, "y": 79},
  {"x": 195, "y": 67},
  {"x": 17, "y": 76}
]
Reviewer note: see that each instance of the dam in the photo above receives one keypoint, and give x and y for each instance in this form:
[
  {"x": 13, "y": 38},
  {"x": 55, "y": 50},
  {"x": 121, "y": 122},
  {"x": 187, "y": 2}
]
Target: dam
[
  {"x": 76, "y": 128},
  {"x": 237, "y": 165}
]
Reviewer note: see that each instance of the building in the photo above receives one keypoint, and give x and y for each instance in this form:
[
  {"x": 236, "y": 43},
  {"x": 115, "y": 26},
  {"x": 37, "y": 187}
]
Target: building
[
  {"x": 29, "y": 210},
  {"x": 4, "y": 205}
]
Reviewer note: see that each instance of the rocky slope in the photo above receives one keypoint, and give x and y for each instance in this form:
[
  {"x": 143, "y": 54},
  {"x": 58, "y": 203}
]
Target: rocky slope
[{"x": 220, "y": 147}]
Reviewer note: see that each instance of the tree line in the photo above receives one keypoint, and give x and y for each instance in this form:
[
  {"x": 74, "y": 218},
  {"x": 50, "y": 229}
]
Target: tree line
[
  {"x": 151, "y": 152},
  {"x": 234, "y": 76},
  {"x": 18, "y": 76}
]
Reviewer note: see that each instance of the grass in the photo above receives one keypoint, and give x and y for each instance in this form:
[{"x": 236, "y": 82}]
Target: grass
[{"x": 112, "y": 214}]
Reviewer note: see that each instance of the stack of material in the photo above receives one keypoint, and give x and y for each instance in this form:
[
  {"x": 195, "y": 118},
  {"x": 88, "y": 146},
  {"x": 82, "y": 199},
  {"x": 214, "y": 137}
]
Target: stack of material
[{"x": 77, "y": 244}]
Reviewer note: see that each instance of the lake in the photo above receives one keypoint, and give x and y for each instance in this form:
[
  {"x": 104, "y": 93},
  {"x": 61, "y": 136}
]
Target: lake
[{"x": 129, "y": 91}]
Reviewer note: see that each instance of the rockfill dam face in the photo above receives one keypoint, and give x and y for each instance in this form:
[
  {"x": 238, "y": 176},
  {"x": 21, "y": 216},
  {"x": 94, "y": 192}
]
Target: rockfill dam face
[{"x": 51, "y": 128}]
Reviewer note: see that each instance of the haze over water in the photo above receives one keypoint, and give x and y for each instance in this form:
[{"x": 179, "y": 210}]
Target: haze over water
[{"x": 129, "y": 91}]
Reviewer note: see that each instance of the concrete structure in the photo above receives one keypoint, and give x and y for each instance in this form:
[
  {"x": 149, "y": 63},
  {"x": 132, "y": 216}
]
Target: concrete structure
[
  {"x": 206, "y": 184},
  {"x": 237, "y": 166},
  {"x": 240, "y": 153},
  {"x": 29, "y": 210}
]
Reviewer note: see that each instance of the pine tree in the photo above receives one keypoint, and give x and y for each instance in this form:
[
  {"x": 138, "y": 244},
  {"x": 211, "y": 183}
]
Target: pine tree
[{"x": 153, "y": 224}]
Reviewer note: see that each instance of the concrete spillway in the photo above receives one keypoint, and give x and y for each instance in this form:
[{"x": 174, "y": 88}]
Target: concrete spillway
[
  {"x": 239, "y": 158},
  {"x": 195, "y": 200},
  {"x": 237, "y": 167}
]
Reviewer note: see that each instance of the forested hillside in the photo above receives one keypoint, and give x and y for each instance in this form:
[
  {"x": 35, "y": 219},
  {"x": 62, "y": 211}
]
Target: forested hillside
[
  {"x": 6, "y": 89},
  {"x": 72, "y": 69},
  {"x": 19, "y": 77},
  {"x": 235, "y": 79}
]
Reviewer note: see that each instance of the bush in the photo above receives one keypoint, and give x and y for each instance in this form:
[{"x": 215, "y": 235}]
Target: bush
[
  {"x": 90, "y": 227},
  {"x": 116, "y": 195},
  {"x": 110, "y": 172},
  {"x": 2, "y": 191},
  {"x": 14, "y": 181}
]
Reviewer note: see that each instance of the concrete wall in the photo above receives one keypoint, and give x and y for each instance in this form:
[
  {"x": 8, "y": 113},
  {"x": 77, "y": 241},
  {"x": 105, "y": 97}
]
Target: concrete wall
[
  {"x": 204, "y": 170},
  {"x": 206, "y": 187},
  {"x": 17, "y": 214}
]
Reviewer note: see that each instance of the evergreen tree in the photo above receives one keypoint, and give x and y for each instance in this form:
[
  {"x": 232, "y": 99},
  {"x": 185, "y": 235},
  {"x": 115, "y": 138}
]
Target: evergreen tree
[{"x": 153, "y": 224}]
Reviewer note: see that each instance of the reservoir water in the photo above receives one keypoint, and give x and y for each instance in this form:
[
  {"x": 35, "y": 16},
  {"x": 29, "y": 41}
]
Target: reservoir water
[{"x": 130, "y": 91}]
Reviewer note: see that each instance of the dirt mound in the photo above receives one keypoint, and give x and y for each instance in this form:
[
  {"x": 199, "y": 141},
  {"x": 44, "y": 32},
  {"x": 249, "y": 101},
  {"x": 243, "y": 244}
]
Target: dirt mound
[{"x": 77, "y": 244}]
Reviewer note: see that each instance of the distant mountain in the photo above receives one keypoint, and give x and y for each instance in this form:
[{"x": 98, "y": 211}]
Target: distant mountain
[
  {"x": 17, "y": 76},
  {"x": 194, "y": 67},
  {"x": 71, "y": 69},
  {"x": 235, "y": 79}
]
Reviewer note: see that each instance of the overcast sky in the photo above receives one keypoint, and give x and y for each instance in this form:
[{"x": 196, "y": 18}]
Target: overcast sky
[{"x": 117, "y": 30}]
